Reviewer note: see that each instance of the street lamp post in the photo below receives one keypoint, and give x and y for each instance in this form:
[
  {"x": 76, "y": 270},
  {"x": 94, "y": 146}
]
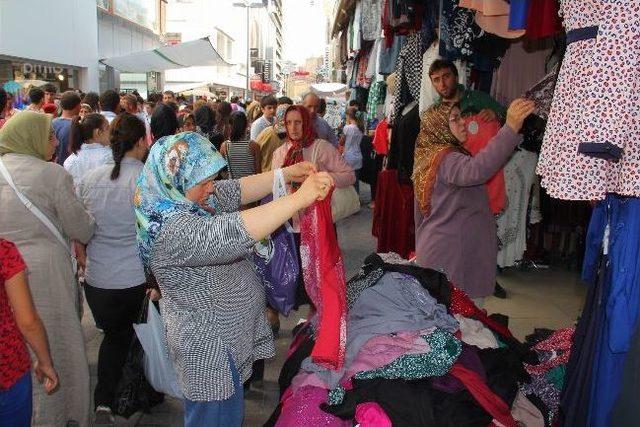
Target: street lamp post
[{"x": 247, "y": 4}]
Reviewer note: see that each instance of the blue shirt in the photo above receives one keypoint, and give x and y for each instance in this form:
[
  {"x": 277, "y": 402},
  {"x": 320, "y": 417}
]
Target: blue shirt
[
  {"x": 62, "y": 129},
  {"x": 324, "y": 131}
]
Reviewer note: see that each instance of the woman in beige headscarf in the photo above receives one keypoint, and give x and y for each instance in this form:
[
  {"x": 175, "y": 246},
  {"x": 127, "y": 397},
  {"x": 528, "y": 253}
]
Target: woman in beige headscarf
[
  {"x": 27, "y": 143},
  {"x": 455, "y": 229}
]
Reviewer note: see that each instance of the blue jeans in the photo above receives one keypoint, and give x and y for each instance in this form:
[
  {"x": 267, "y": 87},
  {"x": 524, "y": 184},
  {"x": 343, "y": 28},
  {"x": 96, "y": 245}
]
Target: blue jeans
[
  {"x": 217, "y": 413},
  {"x": 16, "y": 403}
]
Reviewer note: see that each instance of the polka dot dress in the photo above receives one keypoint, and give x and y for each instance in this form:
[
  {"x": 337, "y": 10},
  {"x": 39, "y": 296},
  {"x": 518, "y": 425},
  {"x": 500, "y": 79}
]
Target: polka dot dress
[{"x": 596, "y": 100}]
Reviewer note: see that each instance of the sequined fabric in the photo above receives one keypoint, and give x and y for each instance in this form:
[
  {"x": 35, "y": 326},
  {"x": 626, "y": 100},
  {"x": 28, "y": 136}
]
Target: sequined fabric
[
  {"x": 324, "y": 281},
  {"x": 559, "y": 344},
  {"x": 445, "y": 349},
  {"x": 547, "y": 392}
]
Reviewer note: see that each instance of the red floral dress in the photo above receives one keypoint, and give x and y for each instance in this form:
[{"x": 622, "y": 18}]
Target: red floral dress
[{"x": 14, "y": 358}]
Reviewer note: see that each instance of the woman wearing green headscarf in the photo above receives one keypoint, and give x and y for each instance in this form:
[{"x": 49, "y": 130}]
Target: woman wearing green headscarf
[
  {"x": 27, "y": 143},
  {"x": 196, "y": 242}
]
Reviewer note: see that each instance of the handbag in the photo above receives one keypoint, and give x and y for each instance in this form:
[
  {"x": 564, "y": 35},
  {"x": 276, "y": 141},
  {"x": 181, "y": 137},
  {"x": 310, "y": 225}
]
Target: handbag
[
  {"x": 276, "y": 259},
  {"x": 344, "y": 201}
]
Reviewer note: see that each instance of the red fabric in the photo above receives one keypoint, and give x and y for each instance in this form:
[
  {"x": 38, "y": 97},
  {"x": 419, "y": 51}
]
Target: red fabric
[
  {"x": 294, "y": 155},
  {"x": 14, "y": 358},
  {"x": 393, "y": 222},
  {"x": 486, "y": 398},
  {"x": 543, "y": 19},
  {"x": 461, "y": 304},
  {"x": 559, "y": 342},
  {"x": 475, "y": 142},
  {"x": 381, "y": 138},
  {"x": 324, "y": 280}
]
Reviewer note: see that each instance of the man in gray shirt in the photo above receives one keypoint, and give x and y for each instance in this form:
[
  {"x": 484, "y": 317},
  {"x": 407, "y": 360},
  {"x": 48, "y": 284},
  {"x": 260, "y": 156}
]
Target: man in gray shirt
[{"x": 311, "y": 102}]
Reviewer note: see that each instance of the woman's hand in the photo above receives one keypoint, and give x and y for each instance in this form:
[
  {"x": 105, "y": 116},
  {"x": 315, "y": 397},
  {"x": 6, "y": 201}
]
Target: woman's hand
[
  {"x": 315, "y": 187},
  {"x": 299, "y": 172},
  {"x": 518, "y": 111},
  {"x": 46, "y": 374}
]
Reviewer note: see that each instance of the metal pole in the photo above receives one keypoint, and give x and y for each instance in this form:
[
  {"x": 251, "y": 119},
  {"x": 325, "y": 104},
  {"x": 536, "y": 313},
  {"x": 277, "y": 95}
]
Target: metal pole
[{"x": 248, "y": 52}]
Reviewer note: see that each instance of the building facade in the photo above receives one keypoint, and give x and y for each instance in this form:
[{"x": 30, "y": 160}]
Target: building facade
[
  {"x": 227, "y": 25},
  {"x": 41, "y": 49}
]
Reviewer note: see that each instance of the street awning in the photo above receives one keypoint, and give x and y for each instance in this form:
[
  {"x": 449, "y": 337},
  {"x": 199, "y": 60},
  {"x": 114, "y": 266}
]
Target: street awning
[
  {"x": 328, "y": 89},
  {"x": 188, "y": 54},
  {"x": 179, "y": 87}
]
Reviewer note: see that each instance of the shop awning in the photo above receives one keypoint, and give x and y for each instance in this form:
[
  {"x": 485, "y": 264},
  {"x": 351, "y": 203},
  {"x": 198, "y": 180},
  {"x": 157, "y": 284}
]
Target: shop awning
[
  {"x": 328, "y": 89},
  {"x": 188, "y": 54}
]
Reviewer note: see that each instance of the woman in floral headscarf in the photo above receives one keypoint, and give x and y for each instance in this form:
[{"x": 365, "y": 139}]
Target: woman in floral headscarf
[
  {"x": 455, "y": 229},
  {"x": 195, "y": 241}
]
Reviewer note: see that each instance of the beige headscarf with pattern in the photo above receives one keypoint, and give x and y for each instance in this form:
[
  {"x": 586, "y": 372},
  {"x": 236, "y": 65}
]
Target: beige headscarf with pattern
[{"x": 434, "y": 142}]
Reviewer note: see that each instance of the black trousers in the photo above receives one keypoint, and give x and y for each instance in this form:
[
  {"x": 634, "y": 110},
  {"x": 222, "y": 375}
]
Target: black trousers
[{"x": 115, "y": 310}]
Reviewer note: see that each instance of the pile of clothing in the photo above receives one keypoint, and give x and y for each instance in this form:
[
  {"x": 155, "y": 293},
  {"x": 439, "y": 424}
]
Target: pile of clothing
[{"x": 418, "y": 352}]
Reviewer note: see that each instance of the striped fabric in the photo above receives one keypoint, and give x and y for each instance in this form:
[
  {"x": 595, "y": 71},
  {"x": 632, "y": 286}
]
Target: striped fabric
[
  {"x": 213, "y": 302},
  {"x": 240, "y": 159}
]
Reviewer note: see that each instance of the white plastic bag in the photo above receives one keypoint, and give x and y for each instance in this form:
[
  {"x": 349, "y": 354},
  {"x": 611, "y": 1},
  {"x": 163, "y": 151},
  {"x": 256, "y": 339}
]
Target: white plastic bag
[{"x": 157, "y": 367}]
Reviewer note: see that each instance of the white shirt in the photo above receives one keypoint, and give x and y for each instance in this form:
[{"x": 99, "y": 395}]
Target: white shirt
[
  {"x": 89, "y": 157},
  {"x": 109, "y": 115}
]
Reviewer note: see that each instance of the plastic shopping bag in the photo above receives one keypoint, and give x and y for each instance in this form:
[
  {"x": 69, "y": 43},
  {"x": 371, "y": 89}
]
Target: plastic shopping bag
[
  {"x": 134, "y": 393},
  {"x": 276, "y": 259},
  {"x": 157, "y": 367}
]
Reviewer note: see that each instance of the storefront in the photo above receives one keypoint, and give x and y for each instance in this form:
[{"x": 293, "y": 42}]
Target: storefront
[{"x": 22, "y": 71}]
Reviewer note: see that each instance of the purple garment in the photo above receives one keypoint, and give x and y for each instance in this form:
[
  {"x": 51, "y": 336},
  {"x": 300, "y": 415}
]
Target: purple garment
[
  {"x": 458, "y": 238},
  {"x": 302, "y": 409},
  {"x": 469, "y": 359},
  {"x": 324, "y": 131}
]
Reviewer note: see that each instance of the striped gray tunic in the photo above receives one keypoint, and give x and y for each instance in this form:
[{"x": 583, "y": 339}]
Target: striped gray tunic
[{"x": 213, "y": 303}]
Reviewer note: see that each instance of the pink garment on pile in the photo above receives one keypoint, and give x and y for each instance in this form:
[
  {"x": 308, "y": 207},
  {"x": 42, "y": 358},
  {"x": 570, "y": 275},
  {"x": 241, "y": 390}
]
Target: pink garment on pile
[
  {"x": 302, "y": 409},
  {"x": 324, "y": 280},
  {"x": 384, "y": 349},
  {"x": 370, "y": 414},
  {"x": 379, "y": 351}
]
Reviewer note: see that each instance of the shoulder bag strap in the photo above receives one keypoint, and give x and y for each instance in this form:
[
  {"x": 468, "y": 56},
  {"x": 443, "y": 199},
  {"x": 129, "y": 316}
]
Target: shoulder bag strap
[{"x": 34, "y": 209}]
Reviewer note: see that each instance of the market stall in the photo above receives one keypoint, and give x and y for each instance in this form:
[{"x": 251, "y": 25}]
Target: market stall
[{"x": 418, "y": 351}]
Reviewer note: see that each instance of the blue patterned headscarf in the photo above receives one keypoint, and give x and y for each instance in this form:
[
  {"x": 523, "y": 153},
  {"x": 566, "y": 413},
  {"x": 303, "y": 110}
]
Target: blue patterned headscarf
[{"x": 175, "y": 164}]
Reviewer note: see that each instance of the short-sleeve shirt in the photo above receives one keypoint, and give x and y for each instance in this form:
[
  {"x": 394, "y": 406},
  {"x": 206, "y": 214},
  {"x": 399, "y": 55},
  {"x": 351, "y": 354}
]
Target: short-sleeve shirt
[
  {"x": 62, "y": 128},
  {"x": 14, "y": 358}
]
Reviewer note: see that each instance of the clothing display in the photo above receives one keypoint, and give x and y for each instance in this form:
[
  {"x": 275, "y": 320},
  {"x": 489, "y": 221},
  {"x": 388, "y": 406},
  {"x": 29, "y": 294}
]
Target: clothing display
[
  {"x": 620, "y": 303},
  {"x": 596, "y": 109},
  {"x": 522, "y": 66},
  {"x": 403, "y": 139},
  {"x": 324, "y": 280},
  {"x": 522, "y": 207},
  {"x": 409, "y": 74},
  {"x": 393, "y": 223},
  {"x": 543, "y": 19}
]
